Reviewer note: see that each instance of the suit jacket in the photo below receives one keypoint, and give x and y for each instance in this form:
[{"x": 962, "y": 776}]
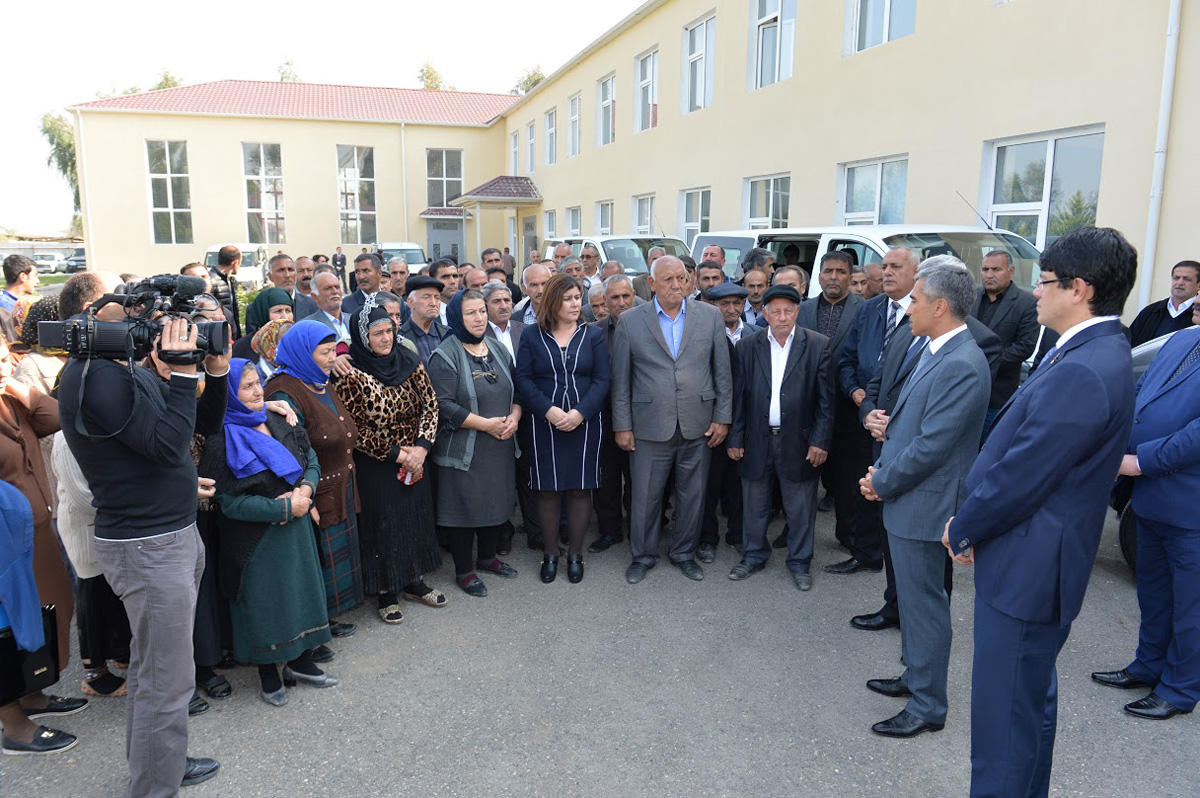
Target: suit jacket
[
  {"x": 1015, "y": 322},
  {"x": 654, "y": 394},
  {"x": 515, "y": 329},
  {"x": 321, "y": 317},
  {"x": 806, "y": 317},
  {"x": 353, "y": 301},
  {"x": 858, "y": 362},
  {"x": 1039, "y": 489},
  {"x": 932, "y": 439},
  {"x": 339, "y": 261},
  {"x": 304, "y": 306},
  {"x": 805, "y": 403},
  {"x": 1166, "y": 435},
  {"x": 1146, "y": 323}
]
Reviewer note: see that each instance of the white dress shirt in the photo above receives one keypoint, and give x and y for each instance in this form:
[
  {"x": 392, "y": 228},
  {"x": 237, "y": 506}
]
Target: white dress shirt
[
  {"x": 1176, "y": 312},
  {"x": 779, "y": 358},
  {"x": 736, "y": 335},
  {"x": 1083, "y": 325},
  {"x": 442, "y": 314},
  {"x": 940, "y": 341},
  {"x": 505, "y": 337}
]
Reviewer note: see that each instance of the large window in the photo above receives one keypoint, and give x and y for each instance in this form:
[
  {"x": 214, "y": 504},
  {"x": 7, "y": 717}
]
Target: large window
[
  {"x": 874, "y": 192},
  {"x": 574, "y": 110},
  {"x": 514, "y": 153},
  {"x": 645, "y": 97},
  {"x": 356, "y": 194},
  {"x": 604, "y": 218},
  {"x": 606, "y": 110},
  {"x": 551, "y": 223},
  {"x": 643, "y": 214},
  {"x": 530, "y": 146},
  {"x": 443, "y": 176},
  {"x": 767, "y": 201},
  {"x": 1048, "y": 185},
  {"x": 879, "y": 21},
  {"x": 262, "y": 168},
  {"x": 774, "y": 35},
  {"x": 574, "y": 219},
  {"x": 551, "y": 136},
  {"x": 170, "y": 192},
  {"x": 694, "y": 207},
  {"x": 698, "y": 65}
]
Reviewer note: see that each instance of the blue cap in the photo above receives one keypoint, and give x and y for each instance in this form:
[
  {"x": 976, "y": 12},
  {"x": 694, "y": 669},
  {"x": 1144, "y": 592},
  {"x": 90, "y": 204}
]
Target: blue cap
[{"x": 725, "y": 291}]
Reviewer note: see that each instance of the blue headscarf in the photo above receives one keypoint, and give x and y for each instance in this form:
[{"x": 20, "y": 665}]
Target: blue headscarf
[
  {"x": 294, "y": 355},
  {"x": 248, "y": 451}
]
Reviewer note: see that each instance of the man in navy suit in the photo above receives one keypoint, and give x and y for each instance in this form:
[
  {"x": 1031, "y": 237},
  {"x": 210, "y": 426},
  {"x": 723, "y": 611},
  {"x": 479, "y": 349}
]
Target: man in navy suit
[
  {"x": 1164, "y": 461},
  {"x": 1038, "y": 494}
]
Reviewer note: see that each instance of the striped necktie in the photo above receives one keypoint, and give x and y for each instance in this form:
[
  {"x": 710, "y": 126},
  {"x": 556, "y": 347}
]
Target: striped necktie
[{"x": 893, "y": 321}]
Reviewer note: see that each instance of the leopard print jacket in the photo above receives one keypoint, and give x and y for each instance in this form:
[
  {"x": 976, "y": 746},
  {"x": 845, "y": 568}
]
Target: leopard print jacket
[{"x": 390, "y": 416}]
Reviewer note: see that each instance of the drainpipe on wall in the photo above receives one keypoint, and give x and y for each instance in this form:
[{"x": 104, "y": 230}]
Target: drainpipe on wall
[
  {"x": 404, "y": 182},
  {"x": 1165, "y": 101}
]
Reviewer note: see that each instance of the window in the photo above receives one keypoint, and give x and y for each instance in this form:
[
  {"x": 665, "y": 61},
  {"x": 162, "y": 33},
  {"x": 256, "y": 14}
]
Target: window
[
  {"x": 170, "y": 192},
  {"x": 643, "y": 214},
  {"x": 695, "y": 213},
  {"x": 443, "y": 176},
  {"x": 645, "y": 97},
  {"x": 774, "y": 33},
  {"x": 514, "y": 155},
  {"x": 606, "y": 110},
  {"x": 356, "y": 193},
  {"x": 551, "y": 224},
  {"x": 874, "y": 192},
  {"x": 767, "y": 204},
  {"x": 604, "y": 215},
  {"x": 1043, "y": 187},
  {"x": 263, "y": 172},
  {"x": 530, "y": 146},
  {"x": 574, "y": 109},
  {"x": 574, "y": 219},
  {"x": 879, "y": 21},
  {"x": 699, "y": 47},
  {"x": 551, "y": 136}
]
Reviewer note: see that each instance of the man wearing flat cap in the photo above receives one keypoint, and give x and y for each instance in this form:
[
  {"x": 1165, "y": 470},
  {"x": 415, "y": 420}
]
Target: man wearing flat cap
[
  {"x": 424, "y": 298},
  {"x": 782, "y": 428}
]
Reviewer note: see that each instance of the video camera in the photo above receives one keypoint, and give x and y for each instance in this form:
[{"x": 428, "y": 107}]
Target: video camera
[{"x": 146, "y": 305}]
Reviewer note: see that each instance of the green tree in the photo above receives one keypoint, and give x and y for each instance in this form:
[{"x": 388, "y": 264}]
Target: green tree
[
  {"x": 1078, "y": 211},
  {"x": 287, "y": 73},
  {"x": 527, "y": 81},
  {"x": 432, "y": 79},
  {"x": 60, "y": 135}
]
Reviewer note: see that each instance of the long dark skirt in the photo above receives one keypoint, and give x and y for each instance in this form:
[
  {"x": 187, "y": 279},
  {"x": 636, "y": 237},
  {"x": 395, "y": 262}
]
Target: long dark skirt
[
  {"x": 212, "y": 634},
  {"x": 341, "y": 565},
  {"x": 395, "y": 528},
  {"x": 103, "y": 625}
]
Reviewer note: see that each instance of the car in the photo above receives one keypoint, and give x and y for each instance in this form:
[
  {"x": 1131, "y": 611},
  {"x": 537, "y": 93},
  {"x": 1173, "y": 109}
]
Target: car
[
  {"x": 629, "y": 250},
  {"x": 49, "y": 262},
  {"x": 76, "y": 262},
  {"x": 412, "y": 253},
  {"x": 254, "y": 263}
]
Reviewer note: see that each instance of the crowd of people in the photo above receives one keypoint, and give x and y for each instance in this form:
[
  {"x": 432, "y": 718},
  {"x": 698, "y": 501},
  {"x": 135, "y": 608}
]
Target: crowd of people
[{"x": 348, "y": 439}]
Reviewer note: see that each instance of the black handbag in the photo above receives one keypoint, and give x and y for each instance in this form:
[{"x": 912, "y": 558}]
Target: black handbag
[{"x": 25, "y": 672}]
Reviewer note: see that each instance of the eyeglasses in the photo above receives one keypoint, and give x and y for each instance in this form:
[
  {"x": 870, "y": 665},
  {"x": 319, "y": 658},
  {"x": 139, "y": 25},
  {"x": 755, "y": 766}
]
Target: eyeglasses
[{"x": 1060, "y": 280}]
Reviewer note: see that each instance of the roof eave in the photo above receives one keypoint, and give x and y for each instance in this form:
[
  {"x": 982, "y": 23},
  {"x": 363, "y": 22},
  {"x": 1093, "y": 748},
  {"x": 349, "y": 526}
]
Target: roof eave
[{"x": 151, "y": 112}]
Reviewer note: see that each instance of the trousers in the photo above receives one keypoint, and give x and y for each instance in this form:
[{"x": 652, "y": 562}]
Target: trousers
[{"x": 650, "y": 465}]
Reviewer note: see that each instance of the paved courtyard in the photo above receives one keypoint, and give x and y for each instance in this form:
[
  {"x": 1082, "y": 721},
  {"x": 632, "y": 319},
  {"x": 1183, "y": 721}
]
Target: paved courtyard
[{"x": 667, "y": 688}]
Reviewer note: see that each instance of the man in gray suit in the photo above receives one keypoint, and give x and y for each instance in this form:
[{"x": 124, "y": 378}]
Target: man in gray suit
[
  {"x": 672, "y": 401},
  {"x": 327, "y": 291},
  {"x": 930, "y": 442}
]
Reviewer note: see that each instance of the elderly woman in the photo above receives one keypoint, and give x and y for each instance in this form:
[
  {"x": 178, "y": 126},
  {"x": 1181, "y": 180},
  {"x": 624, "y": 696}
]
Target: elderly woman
[
  {"x": 562, "y": 380},
  {"x": 266, "y": 475},
  {"x": 304, "y": 358},
  {"x": 270, "y": 304},
  {"x": 390, "y": 398},
  {"x": 475, "y": 450},
  {"x": 265, "y": 342}
]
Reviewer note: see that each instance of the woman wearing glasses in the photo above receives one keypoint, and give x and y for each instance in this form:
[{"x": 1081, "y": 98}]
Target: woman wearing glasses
[{"x": 475, "y": 451}]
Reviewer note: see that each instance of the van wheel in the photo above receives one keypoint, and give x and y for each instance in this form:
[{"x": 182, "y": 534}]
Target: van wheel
[{"x": 1128, "y": 537}]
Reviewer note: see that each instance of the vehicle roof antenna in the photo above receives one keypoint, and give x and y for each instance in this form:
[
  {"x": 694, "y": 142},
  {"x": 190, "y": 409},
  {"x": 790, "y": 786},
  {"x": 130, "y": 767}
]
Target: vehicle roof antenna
[{"x": 977, "y": 213}]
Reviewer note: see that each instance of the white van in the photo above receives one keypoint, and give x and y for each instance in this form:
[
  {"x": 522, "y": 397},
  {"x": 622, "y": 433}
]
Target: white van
[
  {"x": 252, "y": 274},
  {"x": 412, "y": 253},
  {"x": 629, "y": 250},
  {"x": 804, "y": 246}
]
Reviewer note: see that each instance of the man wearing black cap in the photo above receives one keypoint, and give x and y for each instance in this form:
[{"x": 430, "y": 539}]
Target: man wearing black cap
[
  {"x": 783, "y": 405},
  {"x": 423, "y": 295}
]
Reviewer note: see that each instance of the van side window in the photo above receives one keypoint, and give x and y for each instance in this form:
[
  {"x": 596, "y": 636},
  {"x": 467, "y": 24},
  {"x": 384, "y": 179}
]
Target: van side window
[{"x": 859, "y": 252}]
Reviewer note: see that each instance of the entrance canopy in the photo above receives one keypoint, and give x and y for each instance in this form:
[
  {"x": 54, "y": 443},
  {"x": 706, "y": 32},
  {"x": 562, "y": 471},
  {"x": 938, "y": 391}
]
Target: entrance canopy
[{"x": 506, "y": 192}]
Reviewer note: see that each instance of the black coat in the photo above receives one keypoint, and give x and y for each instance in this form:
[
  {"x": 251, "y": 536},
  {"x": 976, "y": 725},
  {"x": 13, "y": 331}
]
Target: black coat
[
  {"x": 1145, "y": 326},
  {"x": 1015, "y": 323}
]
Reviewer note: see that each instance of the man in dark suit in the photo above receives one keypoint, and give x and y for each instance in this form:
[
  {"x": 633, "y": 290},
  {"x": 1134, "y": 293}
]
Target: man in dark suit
[
  {"x": 1038, "y": 495},
  {"x": 339, "y": 267},
  {"x": 1164, "y": 462},
  {"x": 929, "y": 445},
  {"x": 1170, "y": 314},
  {"x": 368, "y": 271},
  {"x": 1011, "y": 313},
  {"x": 782, "y": 406},
  {"x": 672, "y": 401}
]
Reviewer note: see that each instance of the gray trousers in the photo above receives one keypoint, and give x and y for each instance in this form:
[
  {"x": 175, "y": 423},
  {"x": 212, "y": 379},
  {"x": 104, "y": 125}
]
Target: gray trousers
[
  {"x": 650, "y": 465},
  {"x": 799, "y": 508},
  {"x": 925, "y": 631},
  {"x": 157, "y": 579}
]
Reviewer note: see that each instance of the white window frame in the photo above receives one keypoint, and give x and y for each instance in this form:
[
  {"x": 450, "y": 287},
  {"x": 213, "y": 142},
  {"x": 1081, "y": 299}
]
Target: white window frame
[
  {"x": 444, "y": 180},
  {"x": 172, "y": 209},
  {"x": 530, "y": 147},
  {"x": 864, "y": 217},
  {"x": 551, "y": 136},
  {"x": 574, "y": 220},
  {"x": 645, "y": 87},
  {"x": 783, "y": 19},
  {"x": 349, "y": 187},
  {"x": 638, "y": 228},
  {"x": 550, "y": 222},
  {"x": 1041, "y": 209},
  {"x": 854, "y": 13},
  {"x": 271, "y": 221},
  {"x": 574, "y": 121},
  {"x": 705, "y": 57},
  {"x": 606, "y": 108},
  {"x": 690, "y": 228},
  {"x": 512, "y": 238},
  {"x": 603, "y": 206},
  {"x": 514, "y": 159},
  {"x": 764, "y": 222}
]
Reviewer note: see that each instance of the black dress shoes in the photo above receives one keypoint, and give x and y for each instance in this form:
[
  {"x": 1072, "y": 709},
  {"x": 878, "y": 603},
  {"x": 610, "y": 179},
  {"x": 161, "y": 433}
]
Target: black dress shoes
[
  {"x": 549, "y": 568},
  {"x": 853, "y": 566},
  {"x": 603, "y": 543},
  {"x": 893, "y": 688},
  {"x": 1121, "y": 679},
  {"x": 690, "y": 568},
  {"x": 1154, "y": 708},
  {"x": 575, "y": 568},
  {"x": 636, "y": 572},
  {"x": 199, "y": 769},
  {"x": 905, "y": 724},
  {"x": 873, "y": 622},
  {"x": 197, "y": 706},
  {"x": 826, "y": 503},
  {"x": 342, "y": 629},
  {"x": 706, "y": 553},
  {"x": 322, "y": 654}
]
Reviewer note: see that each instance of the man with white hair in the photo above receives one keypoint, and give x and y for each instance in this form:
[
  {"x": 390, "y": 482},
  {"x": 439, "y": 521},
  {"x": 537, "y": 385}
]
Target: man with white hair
[{"x": 533, "y": 280}]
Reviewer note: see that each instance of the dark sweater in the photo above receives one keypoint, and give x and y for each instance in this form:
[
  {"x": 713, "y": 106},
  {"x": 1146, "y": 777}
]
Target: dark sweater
[{"x": 1154, "y": 320}]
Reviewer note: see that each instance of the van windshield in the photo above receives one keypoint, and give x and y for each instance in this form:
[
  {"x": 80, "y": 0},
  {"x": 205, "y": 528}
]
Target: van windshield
[
  {"x": 409, "y": 255},
  {"x": 971, "y": 248},
  {"x": 631, "y": 252}
]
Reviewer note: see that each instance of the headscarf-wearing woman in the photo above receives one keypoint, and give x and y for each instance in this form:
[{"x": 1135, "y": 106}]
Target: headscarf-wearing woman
[
  {"x": 266, "y": 474},
  {"x": 562, "y": 380},
  {"x": 389, "y": 395},
  {"x": 476, "y": 449},
  {"x": 40, "y": 367},
  {"x": 271, "y": 304},
  {"x": 265, "y": 344},
  {"x": 304, "y": 357}
]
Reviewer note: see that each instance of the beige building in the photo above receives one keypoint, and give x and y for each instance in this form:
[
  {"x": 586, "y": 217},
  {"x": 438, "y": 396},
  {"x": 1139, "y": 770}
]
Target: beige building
[{"x": 689, "y": 115}]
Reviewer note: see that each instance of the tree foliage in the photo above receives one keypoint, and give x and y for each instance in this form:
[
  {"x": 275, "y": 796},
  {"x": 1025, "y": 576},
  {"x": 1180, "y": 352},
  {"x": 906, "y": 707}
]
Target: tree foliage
[
  {"x": 432, "y": 79},
  {"x": 287, "y": 72},
  {"x": 1078, "y": 211},
  {"x": 528, "y": 80},
  {"x": 60, "y": 135}
]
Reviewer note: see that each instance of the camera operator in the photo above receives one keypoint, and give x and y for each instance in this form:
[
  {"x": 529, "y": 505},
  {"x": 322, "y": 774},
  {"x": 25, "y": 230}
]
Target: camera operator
[{"x": 130, "y": 430}]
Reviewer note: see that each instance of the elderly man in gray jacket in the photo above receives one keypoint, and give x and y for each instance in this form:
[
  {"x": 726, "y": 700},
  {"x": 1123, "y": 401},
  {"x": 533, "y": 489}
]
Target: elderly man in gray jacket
[
  {"x": 672, "y": 401},
  {"x": 930, "y": 442}
]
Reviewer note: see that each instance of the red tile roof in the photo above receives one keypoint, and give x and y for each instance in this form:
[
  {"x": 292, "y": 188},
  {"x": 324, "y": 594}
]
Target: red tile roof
[
  {"x": 315, "y": 101},
  {"x": 445, "y": 213},
  {"x": 503, "y": 187}
]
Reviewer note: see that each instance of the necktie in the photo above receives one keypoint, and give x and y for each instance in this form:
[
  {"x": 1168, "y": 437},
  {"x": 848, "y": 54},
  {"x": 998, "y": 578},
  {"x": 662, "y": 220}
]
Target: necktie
[
  {"x": 1191, "y": 358},
  {"x": 892, "y": 320},
  {"x": 919, "y": 345}
]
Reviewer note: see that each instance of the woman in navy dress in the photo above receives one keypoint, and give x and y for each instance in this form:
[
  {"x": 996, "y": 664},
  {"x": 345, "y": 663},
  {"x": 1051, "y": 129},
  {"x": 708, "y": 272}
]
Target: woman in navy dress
[{"x": 562, "y": 381}]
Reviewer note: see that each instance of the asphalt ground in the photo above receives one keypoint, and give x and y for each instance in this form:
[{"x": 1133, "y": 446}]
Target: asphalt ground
[{"x": 666, "y": 688}]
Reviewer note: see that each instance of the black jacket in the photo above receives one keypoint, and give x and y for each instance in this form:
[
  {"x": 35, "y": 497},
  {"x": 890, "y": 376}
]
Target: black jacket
[
  {"x": 1015, "y": 323},
  {"x": 1145, "y": 326},
  {"x": 224, "y": 289}
]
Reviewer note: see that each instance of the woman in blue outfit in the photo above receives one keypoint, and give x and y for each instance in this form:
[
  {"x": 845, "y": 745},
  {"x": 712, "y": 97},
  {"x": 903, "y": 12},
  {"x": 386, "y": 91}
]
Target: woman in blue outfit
[{"x": 562, "y": 380}]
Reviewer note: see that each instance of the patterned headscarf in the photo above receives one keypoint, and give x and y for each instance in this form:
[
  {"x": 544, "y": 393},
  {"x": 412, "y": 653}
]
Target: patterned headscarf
[
  {"x": 266, "y": 340},
  {"x": 45, "y": 309},
  {"x": 21, "y": 310}
]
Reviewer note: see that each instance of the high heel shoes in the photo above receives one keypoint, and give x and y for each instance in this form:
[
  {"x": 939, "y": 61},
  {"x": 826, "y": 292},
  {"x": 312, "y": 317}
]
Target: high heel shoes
[
  {"x": 290, "y": 677},
  {"x": 575, "y": 568},
  {"x": 549, "y": 568}
]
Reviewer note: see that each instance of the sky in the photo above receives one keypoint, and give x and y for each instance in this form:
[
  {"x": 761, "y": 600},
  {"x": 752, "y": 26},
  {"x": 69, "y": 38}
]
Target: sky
[{"x": 71, "y": 52}]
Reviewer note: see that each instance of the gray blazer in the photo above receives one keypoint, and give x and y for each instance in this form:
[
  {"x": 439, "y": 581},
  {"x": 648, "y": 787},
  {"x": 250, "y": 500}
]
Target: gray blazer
[
  {"x": 932, "y": 440},
  {"x": 321, "y": 317},
  {"x": 652, "y": 393}
]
